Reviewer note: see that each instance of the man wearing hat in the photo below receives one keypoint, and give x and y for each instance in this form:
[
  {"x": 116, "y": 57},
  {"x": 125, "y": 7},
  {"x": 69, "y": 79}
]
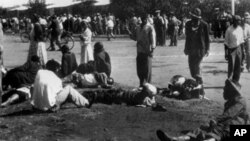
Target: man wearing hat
[
  {"x": 234, "y": 39},
  {"x": 197, "y": 45},
  {"x": 159, "y": 29},
  {"x": 235, "y": 113}
]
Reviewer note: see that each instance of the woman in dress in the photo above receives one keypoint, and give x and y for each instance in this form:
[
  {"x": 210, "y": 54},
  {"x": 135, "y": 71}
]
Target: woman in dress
[
  {"x": 37, "y": 41},
  {"x": 86, "y": 48}
]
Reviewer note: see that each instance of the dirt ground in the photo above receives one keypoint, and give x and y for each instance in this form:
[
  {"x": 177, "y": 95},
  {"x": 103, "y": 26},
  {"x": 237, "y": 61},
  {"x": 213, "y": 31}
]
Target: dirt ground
[{"x": 120, "y": 122}]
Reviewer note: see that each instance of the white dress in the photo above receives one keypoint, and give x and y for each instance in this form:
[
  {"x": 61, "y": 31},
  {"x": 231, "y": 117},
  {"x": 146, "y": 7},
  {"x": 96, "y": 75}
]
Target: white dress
[
  {"x": 37, "y": 48},
  {"x": 86, "y": 48}
]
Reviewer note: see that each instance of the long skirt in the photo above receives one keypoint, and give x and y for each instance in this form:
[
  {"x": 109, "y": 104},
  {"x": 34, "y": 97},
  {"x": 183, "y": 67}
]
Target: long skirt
[
  {"x": 86, "y": 53},
  {"x": 39, "y": 49}
]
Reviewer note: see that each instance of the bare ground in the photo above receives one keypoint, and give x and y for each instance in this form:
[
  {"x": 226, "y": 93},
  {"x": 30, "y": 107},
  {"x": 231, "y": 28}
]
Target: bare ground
[{"x": 119, "y": 122}]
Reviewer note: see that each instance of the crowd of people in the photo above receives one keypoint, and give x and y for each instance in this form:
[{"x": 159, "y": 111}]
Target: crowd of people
[{"x": 49, "y": 84}]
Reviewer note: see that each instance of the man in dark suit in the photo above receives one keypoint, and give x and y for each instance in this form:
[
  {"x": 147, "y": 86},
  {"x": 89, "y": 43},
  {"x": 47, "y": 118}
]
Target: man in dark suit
[{"x": 197, "y": 45}]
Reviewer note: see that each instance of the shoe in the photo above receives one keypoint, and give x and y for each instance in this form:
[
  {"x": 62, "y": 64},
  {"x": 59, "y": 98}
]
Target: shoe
[
  {"x": 91, "y": 99},
  {"x": 55, "y": 108},
  {"x": 159, "y": 108},
  {"x": 162, "y": 136}
]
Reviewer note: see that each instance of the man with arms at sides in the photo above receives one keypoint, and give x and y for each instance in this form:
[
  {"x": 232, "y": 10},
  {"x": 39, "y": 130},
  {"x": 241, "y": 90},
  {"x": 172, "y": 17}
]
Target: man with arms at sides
[
  {"x": 146, "y": 43},
  {"x": 197, "y": 45}
]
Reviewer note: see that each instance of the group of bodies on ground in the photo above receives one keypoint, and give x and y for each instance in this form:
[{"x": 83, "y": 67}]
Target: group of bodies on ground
[{"x": 43, "y": 81}]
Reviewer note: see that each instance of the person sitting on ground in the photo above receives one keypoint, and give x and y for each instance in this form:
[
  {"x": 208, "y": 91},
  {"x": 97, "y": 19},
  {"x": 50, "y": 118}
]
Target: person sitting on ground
[
  {"x": 102, "y": 59},
  {"x": 20, "y": 79},
  {"x": 235, "y": 113},
  {"x": 23, "y": 75},
  {"x": 69, "y": 63},
  {"x": 48, "y": 93}
]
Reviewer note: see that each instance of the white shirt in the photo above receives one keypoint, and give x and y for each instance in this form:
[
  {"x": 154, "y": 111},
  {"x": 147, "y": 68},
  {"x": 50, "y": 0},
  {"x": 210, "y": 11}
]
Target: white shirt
[
  {"x": 88, "y": 80},
  {"x": 87, "y": 35},
  {"x": 46, "y": 87},
  {"x": 110, "y": 24},
  {"x": 247, "y": 32},
  {"x": 234, "y": 37}
]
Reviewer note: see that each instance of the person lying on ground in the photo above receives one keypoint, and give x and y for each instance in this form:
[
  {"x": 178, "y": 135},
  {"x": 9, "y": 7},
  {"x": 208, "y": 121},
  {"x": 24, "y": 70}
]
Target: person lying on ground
[
  {"x": 23, "y": 75},
  {"x": 235, "y": 113},
  {"x": 69, "y": 63},
  {"x": 181, "y": 88},
  {"x": 140, "y": 98},
  {"x": 48, "y": 93},
  {"x": 102, "y": 59},
  {"x": 20, "y": 79},
  {"x": 89, "y": 80}
]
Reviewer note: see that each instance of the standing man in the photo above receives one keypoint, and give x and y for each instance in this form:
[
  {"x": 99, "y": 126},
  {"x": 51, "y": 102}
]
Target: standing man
[
  {"x": 197, "y": 45},
  {"x": 173, "y": 28},
  {"x": 246, "y": 28},
  {"x": 234, "y": 39},
  {"x": 146, "y": 43},
  {"x": 159, "y": 29},
  {"x": 55, "y": 33}
]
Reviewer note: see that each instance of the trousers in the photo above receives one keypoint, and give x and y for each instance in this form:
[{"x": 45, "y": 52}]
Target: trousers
[
  {"x": 234, "y": 64},
  {"x": 194, "y": 66},
  {"x": 144, "y": 68},
  {"x": 69, "y": 94}
]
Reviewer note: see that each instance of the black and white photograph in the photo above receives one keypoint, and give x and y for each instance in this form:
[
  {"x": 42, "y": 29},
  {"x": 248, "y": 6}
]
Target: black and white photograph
[{"x": 124, "y": 70}]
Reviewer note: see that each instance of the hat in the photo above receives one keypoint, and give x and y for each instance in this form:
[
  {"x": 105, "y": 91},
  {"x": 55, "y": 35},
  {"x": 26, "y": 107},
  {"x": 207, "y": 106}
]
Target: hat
[
  {"x": 196, "y": 13},
  {"x": 98, "y": 47},
  {"x": 151, "y": 89},
  {"x": 232, "y": 86},
  {"x": 246, "y": 15}
]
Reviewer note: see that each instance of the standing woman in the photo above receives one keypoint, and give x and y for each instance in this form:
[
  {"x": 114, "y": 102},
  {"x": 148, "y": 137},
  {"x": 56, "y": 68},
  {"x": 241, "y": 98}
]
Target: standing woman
[
  {"x": 86, "y": 48},
  {"x": 37, "y": 41}
]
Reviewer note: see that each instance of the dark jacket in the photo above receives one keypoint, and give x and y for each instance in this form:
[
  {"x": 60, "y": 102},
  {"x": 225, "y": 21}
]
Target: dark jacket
[
  {"x": 197, "y": 43},
  {"x": 69, "y": 63},
  {"x": 102, "y": 62},
  {"x": 39, "y": 33},
  {"x": 22, "y": 76}
]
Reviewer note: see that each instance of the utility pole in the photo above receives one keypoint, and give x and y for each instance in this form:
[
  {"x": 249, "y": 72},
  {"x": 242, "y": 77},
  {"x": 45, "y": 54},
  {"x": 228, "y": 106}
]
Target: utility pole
[{"x": 233, "y": 7}]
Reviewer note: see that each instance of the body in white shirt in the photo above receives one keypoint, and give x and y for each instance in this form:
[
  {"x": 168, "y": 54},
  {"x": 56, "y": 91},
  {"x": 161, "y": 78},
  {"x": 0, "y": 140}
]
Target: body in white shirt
[{"x": 234, "y": 37}]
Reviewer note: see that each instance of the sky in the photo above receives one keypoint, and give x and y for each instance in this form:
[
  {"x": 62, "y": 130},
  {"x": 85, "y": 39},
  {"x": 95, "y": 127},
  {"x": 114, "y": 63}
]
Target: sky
[{"x": 11, "y": 3}]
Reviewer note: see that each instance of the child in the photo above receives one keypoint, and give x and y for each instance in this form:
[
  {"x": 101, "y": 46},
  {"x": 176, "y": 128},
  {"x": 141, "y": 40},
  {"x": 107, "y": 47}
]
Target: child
[{"x": 69, "y": 63}]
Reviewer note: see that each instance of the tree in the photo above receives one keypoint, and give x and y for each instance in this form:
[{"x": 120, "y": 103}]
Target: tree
[{"x": 38, "y": 7}]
